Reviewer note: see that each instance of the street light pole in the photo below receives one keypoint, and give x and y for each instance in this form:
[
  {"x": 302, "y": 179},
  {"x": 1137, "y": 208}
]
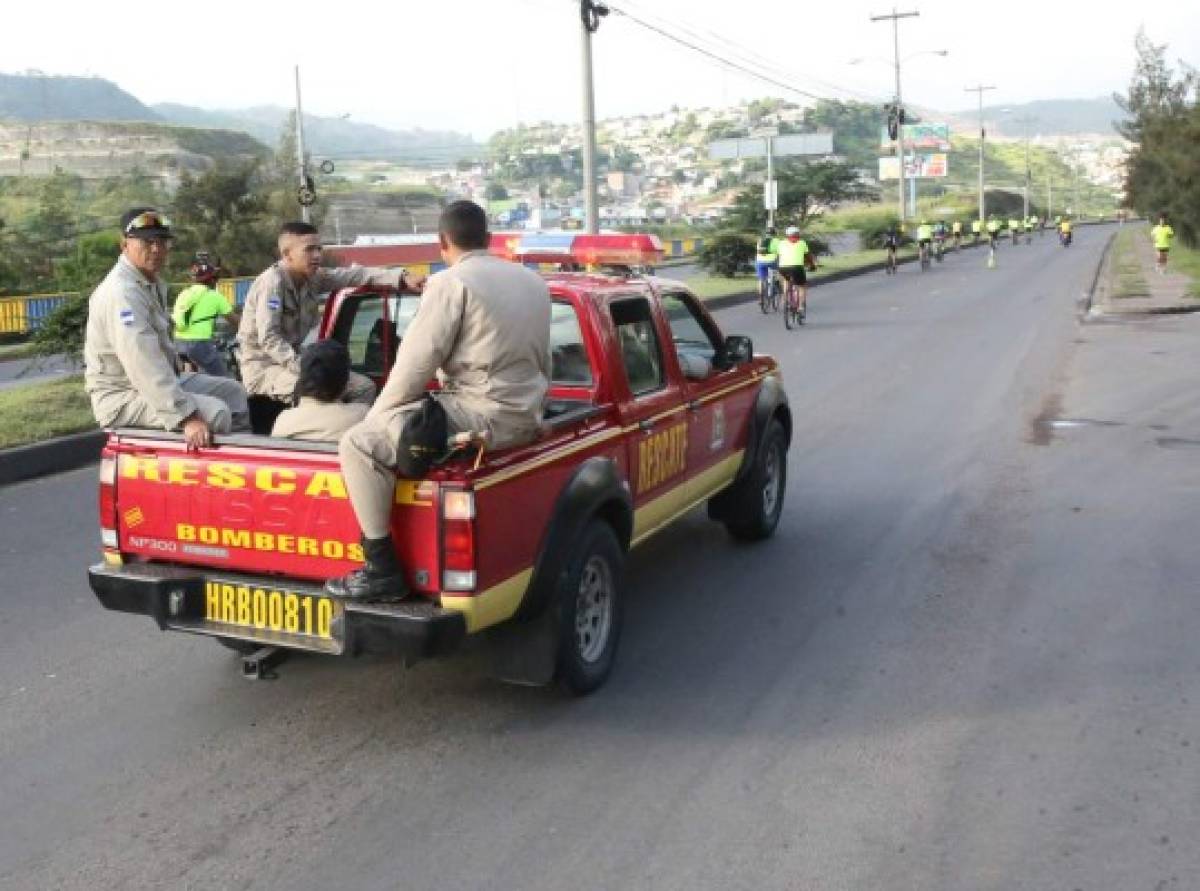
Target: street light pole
[
  {"x": 590, "y": 14},
  {"x": 895, "y": 17},
  {"x": 982, "y": 135},
  {"x": 1025, "y": 121},
  {"x": 305, "y": 213}
]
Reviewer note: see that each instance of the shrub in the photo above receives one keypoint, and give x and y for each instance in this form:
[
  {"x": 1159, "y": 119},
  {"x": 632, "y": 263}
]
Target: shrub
[{"x": 727, "y": 254}]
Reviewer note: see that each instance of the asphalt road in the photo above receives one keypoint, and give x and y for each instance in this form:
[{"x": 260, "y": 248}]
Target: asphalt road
[
  {"x": 16, "y": 372},
  {"x": 966, "y": 661}
]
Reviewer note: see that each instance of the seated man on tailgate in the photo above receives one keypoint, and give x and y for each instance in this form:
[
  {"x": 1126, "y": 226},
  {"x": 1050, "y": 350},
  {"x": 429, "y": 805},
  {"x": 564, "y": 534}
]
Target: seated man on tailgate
[
  {"x": 321, "y": 415},
  {"x": 483, "y": 327}
]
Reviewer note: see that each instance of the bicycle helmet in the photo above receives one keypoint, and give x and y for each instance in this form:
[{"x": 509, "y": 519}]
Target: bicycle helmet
[
  {"x": 792, "y": 230},
  {"x": 202, "y": 271}
]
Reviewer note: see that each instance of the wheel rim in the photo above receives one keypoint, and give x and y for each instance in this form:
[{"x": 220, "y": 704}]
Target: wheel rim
[
  {"x": 773, "y": 471},
  {"x": 593, "y": 610}
]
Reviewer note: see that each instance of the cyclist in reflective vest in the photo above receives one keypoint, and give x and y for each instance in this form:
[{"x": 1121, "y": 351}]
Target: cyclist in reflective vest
[
  {"x": 767, "y": 256},
  {"x": 794, "y": 258},
  {"x": 196, "y": 311}
]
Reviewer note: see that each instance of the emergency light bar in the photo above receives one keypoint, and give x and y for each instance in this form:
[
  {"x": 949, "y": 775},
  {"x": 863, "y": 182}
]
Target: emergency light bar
[{"x": 609, "y": 249}]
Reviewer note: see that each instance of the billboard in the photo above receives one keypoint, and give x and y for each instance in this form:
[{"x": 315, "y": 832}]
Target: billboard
[
  {"x": 922, "y": 137},
  {"x": 922, "y": 166},
  {"x": 756, "y": 146}
]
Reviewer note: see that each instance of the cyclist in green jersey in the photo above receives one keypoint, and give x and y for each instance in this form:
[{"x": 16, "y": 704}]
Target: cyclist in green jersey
[{"x": 195, "y": 313}]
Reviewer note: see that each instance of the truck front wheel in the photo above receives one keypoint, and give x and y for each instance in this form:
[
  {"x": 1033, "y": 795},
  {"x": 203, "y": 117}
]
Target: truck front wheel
[
  {"x": 589, "y": 608},
  {"x": 755, "y": 504}
]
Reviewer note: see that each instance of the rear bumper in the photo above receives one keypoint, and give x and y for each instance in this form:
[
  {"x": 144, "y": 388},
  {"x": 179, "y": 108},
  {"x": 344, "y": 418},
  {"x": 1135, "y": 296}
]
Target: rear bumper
[{"x": 174, "y": 597}]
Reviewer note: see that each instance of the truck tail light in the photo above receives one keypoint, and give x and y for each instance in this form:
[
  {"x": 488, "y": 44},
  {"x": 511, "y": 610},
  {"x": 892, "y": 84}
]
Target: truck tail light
[
  {"x": 458, "y": 540},
  {"x": 108, "y": 500}
]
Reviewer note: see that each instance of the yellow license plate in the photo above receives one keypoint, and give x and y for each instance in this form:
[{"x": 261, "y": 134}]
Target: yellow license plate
[{"x": 270, "y": 609}]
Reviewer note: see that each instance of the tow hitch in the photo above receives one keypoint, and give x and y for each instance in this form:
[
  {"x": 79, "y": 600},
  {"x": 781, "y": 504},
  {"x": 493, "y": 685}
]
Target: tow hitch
[{"x": 260, "y": 665}]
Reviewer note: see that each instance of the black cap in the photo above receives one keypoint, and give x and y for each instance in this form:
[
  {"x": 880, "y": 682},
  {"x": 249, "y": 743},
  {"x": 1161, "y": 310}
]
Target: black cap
[
  {"x": 145, "y": 222},
  {"x": 324, "y": 370}
]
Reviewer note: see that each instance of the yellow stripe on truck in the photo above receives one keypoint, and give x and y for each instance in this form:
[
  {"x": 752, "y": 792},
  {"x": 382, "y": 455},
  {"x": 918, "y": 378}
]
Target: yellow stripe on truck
[
  {"x": 656, "y": 514},
  {"x": 492, "y": 606}
]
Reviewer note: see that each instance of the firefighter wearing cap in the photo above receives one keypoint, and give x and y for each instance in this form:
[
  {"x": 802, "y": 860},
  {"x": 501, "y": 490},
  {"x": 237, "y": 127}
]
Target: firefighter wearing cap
[
  {"x": 195, "y": 313},
  {"x": 282, "y": 308},
  {"x": 321, "y": 416},
  {"x": 131, "y": 370}
]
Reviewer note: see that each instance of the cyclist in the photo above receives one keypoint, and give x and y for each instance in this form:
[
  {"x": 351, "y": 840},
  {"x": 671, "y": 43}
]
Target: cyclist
[
  {"x": 956, "y": 229},
  {"x": 196, "y": 310},
  {"x": 924, "y": 239},
  {"x": 794, "y": 258},
  {"x": 977, "y": 230},
  {"x": 1162, "y": 235},
  {"x": 940, "y": 231},
  {"x": 1014, "y": 228},
  {"x": 891, "y": 241},
  {"x": 766, "y": 261},
  {"x": 993, "y": 231},
  {"x": 1064, "y": 231}
]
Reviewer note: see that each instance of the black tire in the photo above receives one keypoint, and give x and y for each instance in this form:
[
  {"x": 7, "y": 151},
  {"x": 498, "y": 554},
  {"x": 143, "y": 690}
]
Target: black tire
[
  {"x": 595, "y": 581},
  {"x": 753, "y": 511},
  {"x": 764, "y": 298}
]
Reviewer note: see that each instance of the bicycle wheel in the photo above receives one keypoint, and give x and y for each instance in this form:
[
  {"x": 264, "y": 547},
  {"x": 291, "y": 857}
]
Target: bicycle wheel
[
  {"x": 789, "y": 310},
  {"x": 775, "y": 289},
  {"x": 764, "y": 297}
]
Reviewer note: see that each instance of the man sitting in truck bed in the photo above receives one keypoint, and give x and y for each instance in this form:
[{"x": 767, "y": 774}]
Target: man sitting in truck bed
[
  {"x": 484, "y": 327},
  {"x": 321, "y": 416}
]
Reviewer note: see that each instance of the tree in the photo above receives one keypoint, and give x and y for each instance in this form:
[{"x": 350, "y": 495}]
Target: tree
[
  {"x": 805, "y": 189},
  {"x": 496, "y": 192},
  {"x": 1163, "y": 171},
  {"x": 225, "y": 211}
]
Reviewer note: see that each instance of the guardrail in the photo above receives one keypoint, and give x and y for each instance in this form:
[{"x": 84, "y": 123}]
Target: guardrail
[{"x": 25, "y": 314}]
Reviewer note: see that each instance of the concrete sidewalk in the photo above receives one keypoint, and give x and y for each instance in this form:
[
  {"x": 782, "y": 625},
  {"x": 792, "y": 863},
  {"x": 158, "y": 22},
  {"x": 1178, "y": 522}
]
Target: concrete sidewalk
[{"x": 1167, "y": 293}]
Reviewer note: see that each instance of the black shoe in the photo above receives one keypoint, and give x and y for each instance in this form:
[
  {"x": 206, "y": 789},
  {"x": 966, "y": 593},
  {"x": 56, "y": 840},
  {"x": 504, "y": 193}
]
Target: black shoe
[
  {"x": 380, "y": 579},
  {"x": 362, "y": 584}
]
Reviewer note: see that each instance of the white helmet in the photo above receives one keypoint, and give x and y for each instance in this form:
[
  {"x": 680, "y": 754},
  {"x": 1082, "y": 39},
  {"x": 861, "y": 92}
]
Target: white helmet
[{"x": 792, "y": 230}]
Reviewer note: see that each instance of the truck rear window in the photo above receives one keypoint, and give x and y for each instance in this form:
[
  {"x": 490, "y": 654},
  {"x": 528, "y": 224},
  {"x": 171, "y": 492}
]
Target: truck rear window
[{"x": 569, "y": 363}]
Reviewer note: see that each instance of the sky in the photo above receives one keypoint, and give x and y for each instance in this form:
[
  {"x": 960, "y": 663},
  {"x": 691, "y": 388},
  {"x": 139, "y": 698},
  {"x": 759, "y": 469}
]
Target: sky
[{"x": 476, "y": 66}]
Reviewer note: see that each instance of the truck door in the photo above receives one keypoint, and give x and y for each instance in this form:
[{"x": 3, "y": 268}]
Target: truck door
[
  {"x": 717, "y": 397},
  {"x": 653, "y": 417}
]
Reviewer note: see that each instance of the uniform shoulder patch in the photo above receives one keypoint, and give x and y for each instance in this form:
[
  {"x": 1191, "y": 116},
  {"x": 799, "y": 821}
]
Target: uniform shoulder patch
[
  {"x": 125, "y": 314},
  {"x": 273, "y": 302}
]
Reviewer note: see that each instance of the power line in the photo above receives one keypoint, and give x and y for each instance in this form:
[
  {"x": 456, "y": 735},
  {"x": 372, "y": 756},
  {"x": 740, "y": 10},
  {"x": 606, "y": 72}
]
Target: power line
[{"x": 712, "y": 55}]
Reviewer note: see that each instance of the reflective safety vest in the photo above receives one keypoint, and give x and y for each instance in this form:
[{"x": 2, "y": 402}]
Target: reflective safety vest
[
  {"x": 993, "y": 226},
  {"x": 792, "y": 253},
  {"x": 956, "y": 227},
  {"x": 976, "y": 226},
  {"x": 1162, "y": 236},
  {"x": 924, "y": 233}
]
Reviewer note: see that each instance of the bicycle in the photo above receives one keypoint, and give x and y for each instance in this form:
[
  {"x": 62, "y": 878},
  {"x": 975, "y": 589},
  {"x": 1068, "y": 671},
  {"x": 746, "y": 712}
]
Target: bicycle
[
  {"x": 924, "y": 254},
  {"x": 768, "y": 293},
  {"x": 939, "y": 248},
  {"x": 957, "y": 242},
  {"x": 793, "y": 312},
  {"x": 890, "y": 265}
]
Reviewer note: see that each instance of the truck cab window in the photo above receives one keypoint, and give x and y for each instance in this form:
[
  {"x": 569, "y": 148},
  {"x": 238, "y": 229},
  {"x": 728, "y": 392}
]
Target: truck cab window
[
  {"x": 569, "y": 363},
  {"x": 641, "y": 353},
  {"x": 361, "y": 326},
  {"x": 687, "y": 330}
]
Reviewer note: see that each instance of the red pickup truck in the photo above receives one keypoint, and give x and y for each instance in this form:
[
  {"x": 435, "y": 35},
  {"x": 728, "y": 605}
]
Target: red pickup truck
[{"x": 651, "y": 412}]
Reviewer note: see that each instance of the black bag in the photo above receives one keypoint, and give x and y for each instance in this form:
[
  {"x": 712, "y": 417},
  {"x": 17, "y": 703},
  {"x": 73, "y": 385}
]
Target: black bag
[{"x": 422, "y": 439}]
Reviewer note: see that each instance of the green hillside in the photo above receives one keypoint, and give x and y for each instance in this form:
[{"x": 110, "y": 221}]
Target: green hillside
[{"x": 37, "y": 97}]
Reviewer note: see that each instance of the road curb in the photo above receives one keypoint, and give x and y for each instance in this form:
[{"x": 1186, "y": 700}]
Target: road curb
[{"x": 52, "y": 456}]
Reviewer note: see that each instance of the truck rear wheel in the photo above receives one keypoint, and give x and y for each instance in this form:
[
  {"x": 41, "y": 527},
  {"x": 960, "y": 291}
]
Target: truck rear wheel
[
  {"x": 589, "y": 607},
  {"x": 756, "y": 503}
]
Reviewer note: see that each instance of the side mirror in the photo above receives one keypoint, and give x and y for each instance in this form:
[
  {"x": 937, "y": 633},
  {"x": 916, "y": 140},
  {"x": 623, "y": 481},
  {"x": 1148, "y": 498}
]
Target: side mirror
[{"x": 738, "y": 349}]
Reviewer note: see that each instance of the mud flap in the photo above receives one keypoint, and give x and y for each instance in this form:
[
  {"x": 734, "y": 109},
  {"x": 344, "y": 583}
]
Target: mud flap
[{"x": 523, "y": 652}]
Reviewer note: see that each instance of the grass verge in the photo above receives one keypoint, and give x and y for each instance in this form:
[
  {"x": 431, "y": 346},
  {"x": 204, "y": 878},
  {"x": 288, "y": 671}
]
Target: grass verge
[
  {"x": 1126, "y": 278},
  {"x": 1186, "y": 260},
  {"x": 10, "y": 352},
  {"x": 43, "y": 410},
  {"x": 707, "y": 287}
]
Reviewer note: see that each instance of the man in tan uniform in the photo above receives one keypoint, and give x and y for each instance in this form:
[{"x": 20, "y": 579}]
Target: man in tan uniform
[
  {"x": 483, "y": 327},
  {"x": 281, "y": 309},
  {"x": 130, "y": 364},
  {"x": 321, "y": 415}
]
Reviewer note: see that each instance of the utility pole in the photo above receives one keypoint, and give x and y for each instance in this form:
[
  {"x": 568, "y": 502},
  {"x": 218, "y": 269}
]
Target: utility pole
[
  {"x": 590, "y": 14},
  {"x": 1025, "y": 121},
  {"x": 895, "y": 17},
  {"x": 305, "y": 188},
  {"x": 770, "y": 193},
  {"x": 1049, "y": 195},
  {"x": 982, "y": 136}
]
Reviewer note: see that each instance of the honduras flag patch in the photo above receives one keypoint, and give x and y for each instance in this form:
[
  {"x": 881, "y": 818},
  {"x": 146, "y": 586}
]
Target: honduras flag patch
[
  {"x": 273, "y": 303},
  {"x": 126, "y": 316}
]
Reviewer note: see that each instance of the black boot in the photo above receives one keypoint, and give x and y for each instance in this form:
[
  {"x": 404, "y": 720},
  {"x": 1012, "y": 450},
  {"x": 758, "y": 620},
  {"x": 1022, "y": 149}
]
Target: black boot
[{"x": 381, "y": 578}]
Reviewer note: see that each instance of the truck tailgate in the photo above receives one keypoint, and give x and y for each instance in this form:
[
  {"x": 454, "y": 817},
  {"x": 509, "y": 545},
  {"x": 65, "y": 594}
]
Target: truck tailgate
[{"x": 266, "y": 507}]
